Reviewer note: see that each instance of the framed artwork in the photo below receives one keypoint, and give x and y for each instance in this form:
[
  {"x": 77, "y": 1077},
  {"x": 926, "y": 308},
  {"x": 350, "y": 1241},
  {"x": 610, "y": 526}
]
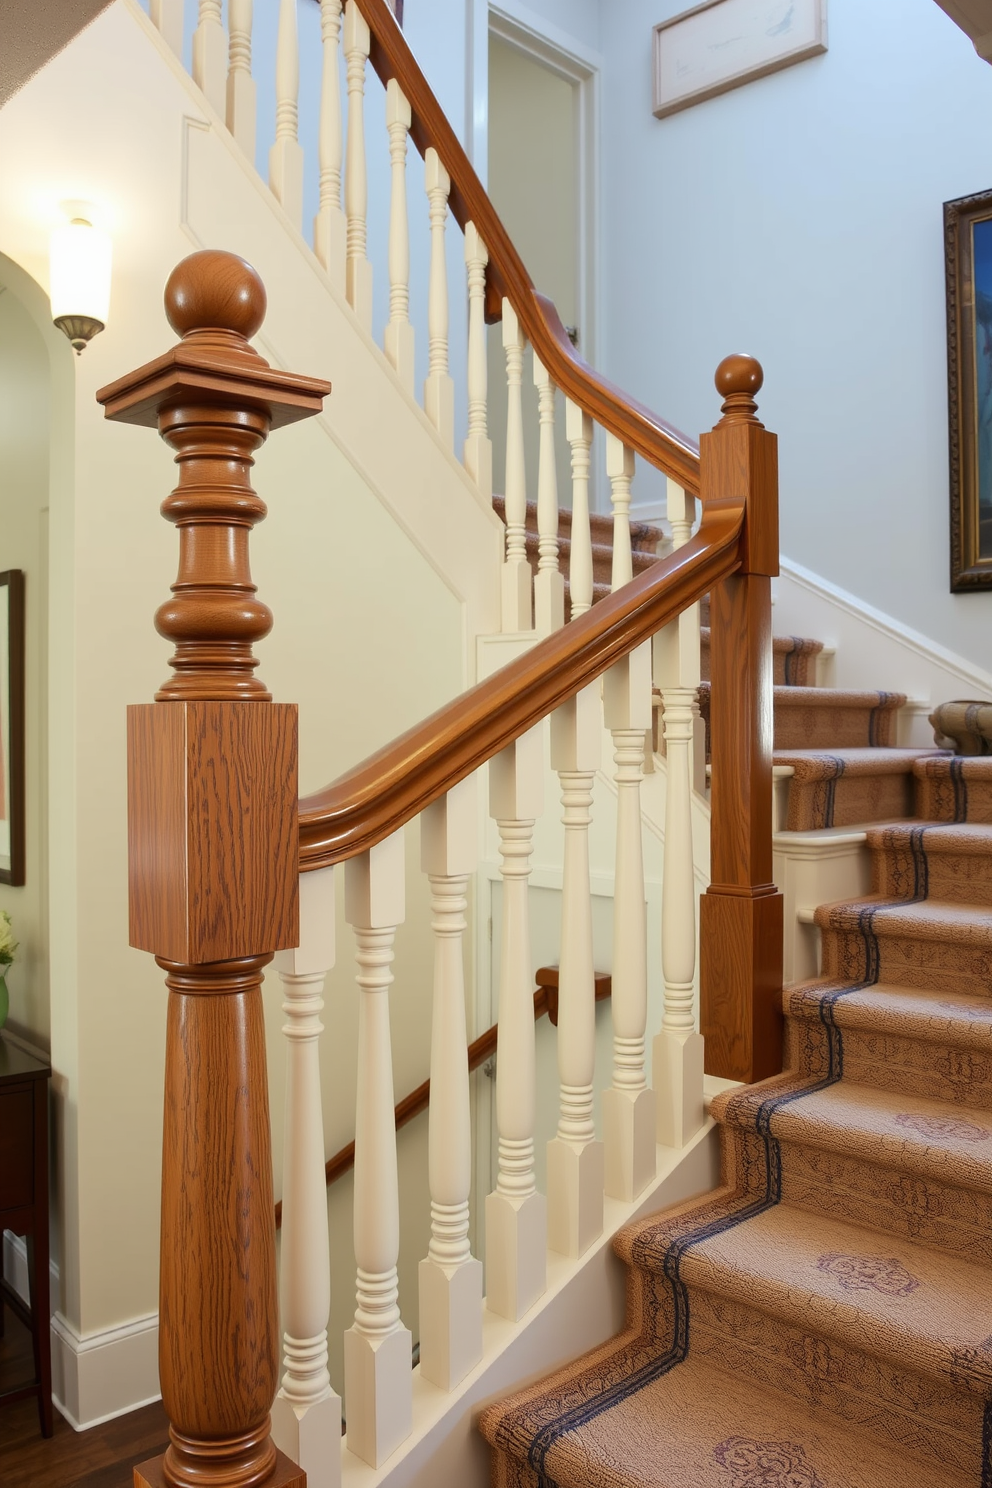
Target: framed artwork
[
  {"x": 968, "y": 267},
  {"x": 721, "y": 44},
  {"x": 12, "y": 726}
]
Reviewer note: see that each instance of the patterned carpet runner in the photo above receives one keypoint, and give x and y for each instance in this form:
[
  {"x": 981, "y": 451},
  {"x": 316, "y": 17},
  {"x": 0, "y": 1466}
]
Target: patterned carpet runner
[{"x": 824, "y": 1319}]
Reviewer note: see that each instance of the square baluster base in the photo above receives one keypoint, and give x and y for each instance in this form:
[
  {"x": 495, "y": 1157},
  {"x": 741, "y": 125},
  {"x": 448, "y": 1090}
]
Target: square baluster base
[
  {"x": 629, "y": 1122},
  {"x": 450, "y": 1321},
  {"x": 378, "y": 1381},
  {"x": 575, "y": 1196},
  {"x": 677, "y": 1076},
  {"x": 516, "y": 1253},
  {"x": 311, "y": 1436}
]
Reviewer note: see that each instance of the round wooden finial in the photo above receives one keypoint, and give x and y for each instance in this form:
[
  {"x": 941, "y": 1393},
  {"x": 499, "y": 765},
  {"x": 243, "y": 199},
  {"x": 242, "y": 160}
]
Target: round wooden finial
[
  {"x": 738, "y": 381},
  {"x": 215, "y": 291}
]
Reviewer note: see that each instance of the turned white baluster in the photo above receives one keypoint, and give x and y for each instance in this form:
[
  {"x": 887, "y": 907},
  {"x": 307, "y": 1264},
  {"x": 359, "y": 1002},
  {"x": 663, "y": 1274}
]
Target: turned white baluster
[
  {"x": 620, "y": 469},
  {"x": 399, "y": 331},
  {"x": 377, "y": 1347},
  {"x": 286, "y": 154},
  {"x": 450, "y": 1278},
  {"x": 329, "y": 234},
  {"x": 167, "y": 16},
  {"x": 678, "y": 1048},
  {"x": 439, "y": 390},
  {"x": 629, "y": 1118},
  {"x": 356, "y": 192},
  {"x": 575, "y": 1158},
  {"x": 549, "y": 584},
  {"x": 516, "y": 1214},
  {"x": 478, "y": 454},
  {"x": 210, "y": 54},
  {"x": 578, "y": 430},
  {"x": 516, "y": 569},
  {"x": 240, "y": 83},
  {"x": 306, "y": 1413}
]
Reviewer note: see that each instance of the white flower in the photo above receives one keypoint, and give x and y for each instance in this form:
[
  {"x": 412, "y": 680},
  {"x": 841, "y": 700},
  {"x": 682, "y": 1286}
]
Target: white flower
[{"x": 8, "y": 945}]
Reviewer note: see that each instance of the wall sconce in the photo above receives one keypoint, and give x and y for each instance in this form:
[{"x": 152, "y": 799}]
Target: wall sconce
[{"x": 80, "y": 280}]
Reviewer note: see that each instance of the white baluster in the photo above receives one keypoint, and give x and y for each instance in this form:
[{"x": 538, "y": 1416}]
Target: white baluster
[
  {"x": 516, "y": 1214},
  {"x": 450, "y": 1279},
  {"x": 356, "y": 192},
  {"x": 167, "y": 15},
  {"x": 399, "y": 331},
  {"x": 240, "y": 83},
  {"x": 678, "y": 1048},
  {"x": 620, "y": 469},
  {"x": 306, "y": 1413},
  {"x": 516, "y": 569},
  {"x": 286, "y": 154},
  {"x": 439, "y": 390},
  {"x": 549, "y": 584},
  {"x": 478, "y": 454},
  {"x": 575, "y": 1158},
  {"x": 578, "y": 430},
  {"x": 377, "y": 1347},
  {"x": 629, "y": 1105},
  {"x": 210, "y": 54},
  {"x": 329, "y": 234}
]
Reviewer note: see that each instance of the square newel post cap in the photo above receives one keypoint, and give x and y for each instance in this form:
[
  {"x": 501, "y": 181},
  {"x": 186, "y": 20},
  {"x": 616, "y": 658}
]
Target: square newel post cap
[{"x": 216, "y": 302}]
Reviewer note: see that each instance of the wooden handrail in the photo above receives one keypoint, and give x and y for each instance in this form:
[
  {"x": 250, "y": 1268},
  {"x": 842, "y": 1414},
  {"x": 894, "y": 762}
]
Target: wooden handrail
[
  {"x": 659, "y": 443},
  {"x": 374, "y": 799},
  {"x": 479, "y": 1050}
]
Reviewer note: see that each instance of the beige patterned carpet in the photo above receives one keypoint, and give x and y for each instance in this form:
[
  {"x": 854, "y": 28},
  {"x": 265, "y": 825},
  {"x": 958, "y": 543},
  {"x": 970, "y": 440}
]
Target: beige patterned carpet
[{"x": 824, "y": 1319}]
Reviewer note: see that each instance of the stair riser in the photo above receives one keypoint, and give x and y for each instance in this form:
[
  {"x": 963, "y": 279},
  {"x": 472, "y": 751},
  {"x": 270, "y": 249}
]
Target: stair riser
[
  {"x": 789, "y": 668},
  {"x": 935, "y": 964},
  {"x": 958, "y": 878},
  {"x": 905, "y": 1410},
  {"x": 832, "y": 727},
  {"x": 905, "y": 1205},
  {"x": 849, "y": 802},
  {"x": 939, "y": 799}
]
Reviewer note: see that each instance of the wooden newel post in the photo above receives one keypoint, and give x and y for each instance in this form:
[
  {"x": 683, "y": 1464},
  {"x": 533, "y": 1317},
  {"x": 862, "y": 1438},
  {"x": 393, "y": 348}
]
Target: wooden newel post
[
  {"x": 740, "y": 926},
  {"x": 213, "y": 874}
]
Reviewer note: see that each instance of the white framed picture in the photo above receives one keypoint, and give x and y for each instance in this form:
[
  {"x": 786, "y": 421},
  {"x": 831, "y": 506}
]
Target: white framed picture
[{"x": 723, "y": 43}]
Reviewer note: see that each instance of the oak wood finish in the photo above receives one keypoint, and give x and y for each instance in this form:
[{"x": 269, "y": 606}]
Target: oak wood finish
[
  {"x": 24, "y": 1210},
  {"x": 13, "y": 579},
  {"x": 741, "y": 911},
  {"x": 371, "y": 801},
  {"x": 214, "y": 879},
  {"x": 658, "y": 442},
  {"x": 481, "y": 1049}
]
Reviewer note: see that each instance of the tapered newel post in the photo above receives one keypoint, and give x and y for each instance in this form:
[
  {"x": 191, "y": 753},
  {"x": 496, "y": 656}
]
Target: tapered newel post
[
  {"x": 740, "y": 926},
  {"x": 213, "y": 873}
]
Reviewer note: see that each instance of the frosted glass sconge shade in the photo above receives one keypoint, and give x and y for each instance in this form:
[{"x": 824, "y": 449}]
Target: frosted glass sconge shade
[{"x": 79, "y": 280}]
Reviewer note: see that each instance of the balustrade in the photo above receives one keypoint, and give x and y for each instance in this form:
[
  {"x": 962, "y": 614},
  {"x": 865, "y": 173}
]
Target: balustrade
[
  {"x": 356, "y": 191},
  {"x": 286, "y": 155},
  {"x": 329, "y": 227},
  {"x": 240, "y": 83},
  {"x": 399, "y": 331},
  {"x": 210, "y": 54}
]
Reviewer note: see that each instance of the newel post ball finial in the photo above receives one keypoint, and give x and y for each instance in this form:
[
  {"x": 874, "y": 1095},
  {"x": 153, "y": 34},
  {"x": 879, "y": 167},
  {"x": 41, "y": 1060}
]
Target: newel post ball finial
[
  {"x": 738, "y": 381},
  {"x": 214, "y": 399}
]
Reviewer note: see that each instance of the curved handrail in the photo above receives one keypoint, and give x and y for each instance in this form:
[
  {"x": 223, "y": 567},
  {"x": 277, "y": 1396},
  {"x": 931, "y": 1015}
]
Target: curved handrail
[
  {"x": 377, "y": 797},
  {"x": 664, "y": 446}
]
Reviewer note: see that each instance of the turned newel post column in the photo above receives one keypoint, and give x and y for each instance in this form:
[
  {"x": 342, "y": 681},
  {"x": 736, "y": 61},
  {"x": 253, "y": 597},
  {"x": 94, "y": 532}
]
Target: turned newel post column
[
  {"x": 740, "y": 927},
  {"x": 213, "y": 877}
]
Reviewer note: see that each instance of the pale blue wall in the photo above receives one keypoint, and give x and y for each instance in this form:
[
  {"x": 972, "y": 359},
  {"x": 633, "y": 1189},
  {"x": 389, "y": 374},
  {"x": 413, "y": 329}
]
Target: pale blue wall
[{"x": 799, "y": 218}]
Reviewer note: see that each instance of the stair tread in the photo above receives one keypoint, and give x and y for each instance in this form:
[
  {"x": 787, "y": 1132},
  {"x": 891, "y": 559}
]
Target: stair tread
[
  {"x": 837, "y": 697},
  {"x": 972, "y": 838},
  {"x": 960, "y": 1019},
  {"x": 912, "y": 918},
  {"x": 971, "y": 766},
  {"x": 696, "y": 1426},
  {"x": 868, "y": 759},
  {"x": 878, "y": 1293},
  {"x": 934, "y": 1139}
]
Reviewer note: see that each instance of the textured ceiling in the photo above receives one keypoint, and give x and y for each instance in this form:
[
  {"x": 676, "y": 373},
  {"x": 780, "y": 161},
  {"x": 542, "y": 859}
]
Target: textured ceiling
[
  {"x": 975, "y": 19},
  {"x": 33, "y": 31}
]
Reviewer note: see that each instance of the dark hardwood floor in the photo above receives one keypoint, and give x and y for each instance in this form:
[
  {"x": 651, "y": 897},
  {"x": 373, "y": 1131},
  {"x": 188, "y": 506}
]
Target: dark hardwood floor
[{"x": 99, "y": 1458}]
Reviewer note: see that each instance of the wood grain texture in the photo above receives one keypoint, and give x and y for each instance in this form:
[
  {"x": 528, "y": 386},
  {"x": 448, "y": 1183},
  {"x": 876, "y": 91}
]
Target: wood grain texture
[
  {"x": 481, "y": 1049},
  {"x": 218, "y": 1340},
  {"x": 374, "y": 799},
  {"x": 741, "y": 911},
  {"x": 14, "y": 701},
  {"x": 658, "y": 442},
  {"x": 285, "y": 1474},
  {"x": 212, "y": 792}
]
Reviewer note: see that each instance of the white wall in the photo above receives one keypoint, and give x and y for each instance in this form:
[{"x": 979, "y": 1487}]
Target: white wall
[
  {"x": 799, "y": 218},
  {"x": 24, "y": 480}
]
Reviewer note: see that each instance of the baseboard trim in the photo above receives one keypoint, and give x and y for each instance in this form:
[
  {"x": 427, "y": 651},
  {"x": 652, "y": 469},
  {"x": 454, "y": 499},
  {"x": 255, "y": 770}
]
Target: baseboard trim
[{"x": 97, "y": 1376}]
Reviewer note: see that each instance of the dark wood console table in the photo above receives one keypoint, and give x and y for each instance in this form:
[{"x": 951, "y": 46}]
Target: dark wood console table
[{"x": 24, "y": 1208}]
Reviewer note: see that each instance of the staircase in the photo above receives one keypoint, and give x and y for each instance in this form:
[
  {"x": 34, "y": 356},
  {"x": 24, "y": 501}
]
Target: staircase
[{"x": 824, "y": 1317}]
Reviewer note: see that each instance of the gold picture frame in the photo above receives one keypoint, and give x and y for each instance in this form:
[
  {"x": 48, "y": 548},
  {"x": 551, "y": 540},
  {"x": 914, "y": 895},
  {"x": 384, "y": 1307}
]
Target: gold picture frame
[{"x": 968, "y": 269}]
